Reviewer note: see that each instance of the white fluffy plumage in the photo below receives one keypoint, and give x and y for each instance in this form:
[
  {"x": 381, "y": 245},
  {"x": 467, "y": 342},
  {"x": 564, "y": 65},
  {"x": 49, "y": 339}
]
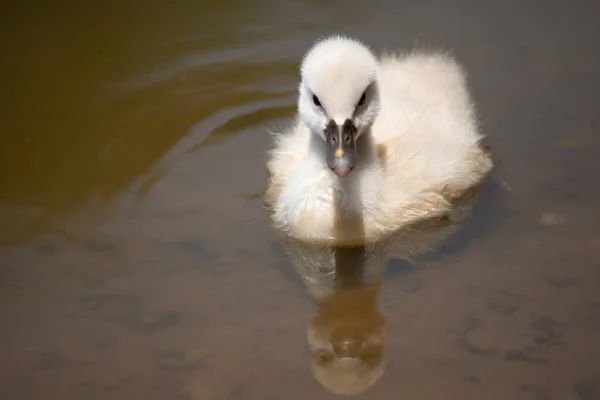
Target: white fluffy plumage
[{"x": 417, "y": 148}]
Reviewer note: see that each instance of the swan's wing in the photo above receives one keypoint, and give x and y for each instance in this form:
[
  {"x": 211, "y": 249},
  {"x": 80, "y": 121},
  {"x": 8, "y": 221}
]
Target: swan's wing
[
  {"x": 289, "y": 147},
  {"x": 427, "y": 136}
]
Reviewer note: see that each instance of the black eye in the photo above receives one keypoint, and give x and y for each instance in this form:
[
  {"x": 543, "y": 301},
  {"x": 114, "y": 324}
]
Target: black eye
[
  {"x": 362, "y": 99},
  {"x": 316, "y": 101}
]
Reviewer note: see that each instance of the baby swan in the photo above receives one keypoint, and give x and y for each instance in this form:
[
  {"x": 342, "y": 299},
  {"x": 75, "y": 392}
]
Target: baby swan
[{"x": 377, "y": 145}]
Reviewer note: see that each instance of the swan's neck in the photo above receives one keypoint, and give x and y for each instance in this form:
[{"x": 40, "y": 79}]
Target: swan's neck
[{"x": 352, "y": 193}]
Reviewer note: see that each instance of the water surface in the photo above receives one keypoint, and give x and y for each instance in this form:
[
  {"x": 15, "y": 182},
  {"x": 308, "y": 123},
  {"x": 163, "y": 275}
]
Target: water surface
[{"x": 136, "y": 264}]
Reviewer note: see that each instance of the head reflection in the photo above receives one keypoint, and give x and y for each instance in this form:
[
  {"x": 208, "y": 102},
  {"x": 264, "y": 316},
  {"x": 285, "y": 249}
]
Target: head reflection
[{"x": 347, "y": 336}]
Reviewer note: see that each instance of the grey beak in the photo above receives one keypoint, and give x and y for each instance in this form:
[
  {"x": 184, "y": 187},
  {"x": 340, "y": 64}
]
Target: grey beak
[{"x": 341, "y": 147}]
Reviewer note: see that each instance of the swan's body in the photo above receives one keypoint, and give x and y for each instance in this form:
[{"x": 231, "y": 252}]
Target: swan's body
[{"x": 416, "y": 141}]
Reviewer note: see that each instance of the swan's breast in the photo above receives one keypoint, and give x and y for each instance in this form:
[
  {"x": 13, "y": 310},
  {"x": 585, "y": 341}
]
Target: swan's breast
[{"x": 305, "y": 204}]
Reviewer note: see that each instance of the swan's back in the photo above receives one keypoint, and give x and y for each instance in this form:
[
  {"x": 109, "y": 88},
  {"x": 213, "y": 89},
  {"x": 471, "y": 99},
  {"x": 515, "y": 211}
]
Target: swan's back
[
  {"x": 427, "y": 130},
  {"x": 426, "y": 87}
]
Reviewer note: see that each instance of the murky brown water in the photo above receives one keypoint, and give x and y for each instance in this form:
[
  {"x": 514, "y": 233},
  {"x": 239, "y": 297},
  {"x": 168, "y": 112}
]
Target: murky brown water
[{"x": 135, "y": 265}]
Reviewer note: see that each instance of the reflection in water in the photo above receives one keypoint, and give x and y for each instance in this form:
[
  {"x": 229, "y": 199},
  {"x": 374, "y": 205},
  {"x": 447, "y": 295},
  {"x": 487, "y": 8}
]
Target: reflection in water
[{"x": 347, "y": 336}]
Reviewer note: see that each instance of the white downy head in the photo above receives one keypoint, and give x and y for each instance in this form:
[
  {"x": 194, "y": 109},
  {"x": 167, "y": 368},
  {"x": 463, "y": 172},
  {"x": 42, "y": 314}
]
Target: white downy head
[{"x": 338, "y": 96}]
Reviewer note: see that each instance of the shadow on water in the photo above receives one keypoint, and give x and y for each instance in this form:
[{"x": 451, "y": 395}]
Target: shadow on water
[{"x": 484, "y": 217}]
